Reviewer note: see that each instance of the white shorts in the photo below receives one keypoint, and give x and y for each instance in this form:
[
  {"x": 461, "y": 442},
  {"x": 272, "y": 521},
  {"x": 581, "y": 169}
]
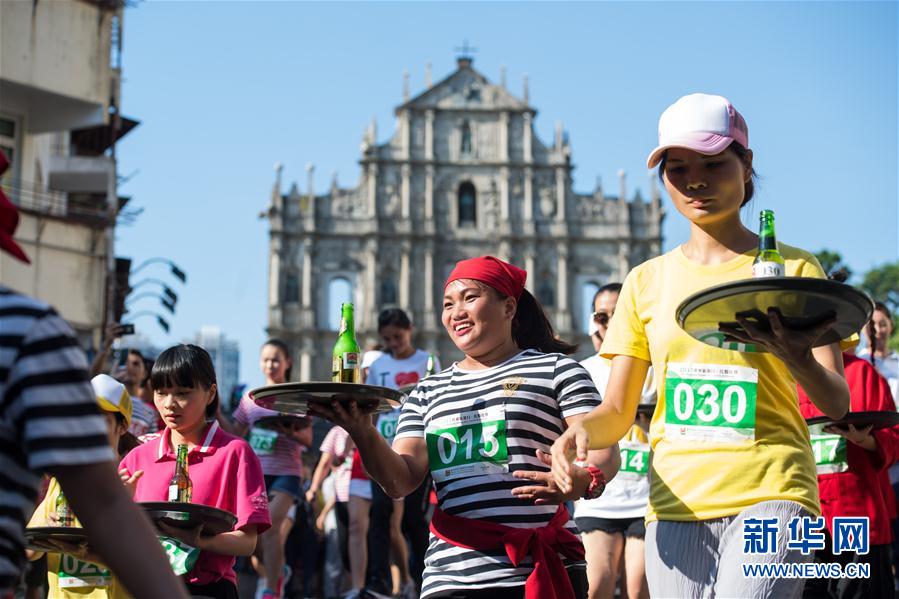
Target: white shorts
[{"x": 360, "y": 488}]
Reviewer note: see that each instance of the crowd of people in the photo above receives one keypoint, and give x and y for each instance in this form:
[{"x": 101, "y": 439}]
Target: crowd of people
[{"x": 514, "y": 472}]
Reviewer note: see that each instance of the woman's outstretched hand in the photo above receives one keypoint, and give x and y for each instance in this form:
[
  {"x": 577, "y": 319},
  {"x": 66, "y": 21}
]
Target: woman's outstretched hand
[
  {"x": 572, "y": 444},
  {"x": 544, "y": 489},
  {"x": 792, "y": 346},
  {"x": 351, "y": 418}
]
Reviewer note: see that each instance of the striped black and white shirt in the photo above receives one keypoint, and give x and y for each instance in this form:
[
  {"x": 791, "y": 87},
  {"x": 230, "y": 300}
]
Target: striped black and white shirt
[
  {"x": 481, "y": 426},
  {"x": 48, "y": 415}
]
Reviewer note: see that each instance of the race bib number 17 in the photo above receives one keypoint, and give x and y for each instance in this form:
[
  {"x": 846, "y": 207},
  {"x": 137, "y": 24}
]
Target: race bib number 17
[{"x": 710, "y": 402}]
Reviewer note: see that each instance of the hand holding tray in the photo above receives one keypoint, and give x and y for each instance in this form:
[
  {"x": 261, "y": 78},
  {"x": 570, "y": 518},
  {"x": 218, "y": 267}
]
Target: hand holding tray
[
  {"x": 39, "y": 538},
  {"x": 878, "y": 420},
  {"x": 804, "y": 302}
]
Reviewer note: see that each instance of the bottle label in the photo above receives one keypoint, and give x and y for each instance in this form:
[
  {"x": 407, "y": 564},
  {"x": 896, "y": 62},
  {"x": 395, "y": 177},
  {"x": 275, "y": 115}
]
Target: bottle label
[
  {"x": 767, "y": 269},
  {"x": 350, "y": 360},
  {"x": 173, "y": 492}
]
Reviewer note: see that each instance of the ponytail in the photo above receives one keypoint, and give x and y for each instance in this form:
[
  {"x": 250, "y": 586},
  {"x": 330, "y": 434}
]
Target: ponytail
[{"x": 531, "y": 328}]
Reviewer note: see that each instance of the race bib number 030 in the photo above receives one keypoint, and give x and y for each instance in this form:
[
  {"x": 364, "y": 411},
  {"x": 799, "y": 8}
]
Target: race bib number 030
[
  {"x": 710, "y": 402},
  {"x": 74, "y": 573},
  {"x": 467, "y": 444},
  {"x": 829, "y": 450}
]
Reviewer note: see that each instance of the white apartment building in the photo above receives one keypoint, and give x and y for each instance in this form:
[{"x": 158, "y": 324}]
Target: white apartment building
[{"x": 59, "y": 96}]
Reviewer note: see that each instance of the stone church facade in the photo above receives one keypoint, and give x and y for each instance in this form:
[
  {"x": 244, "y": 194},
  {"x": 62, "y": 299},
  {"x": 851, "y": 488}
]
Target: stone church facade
[{"x": 464, "y": 175}]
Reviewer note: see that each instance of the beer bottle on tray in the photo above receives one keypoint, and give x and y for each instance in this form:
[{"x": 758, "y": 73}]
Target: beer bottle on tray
[
  {"x": 180, "y": 487},
  {"x": 345, "y": 359},
  {"x": 768, "y": 262}
]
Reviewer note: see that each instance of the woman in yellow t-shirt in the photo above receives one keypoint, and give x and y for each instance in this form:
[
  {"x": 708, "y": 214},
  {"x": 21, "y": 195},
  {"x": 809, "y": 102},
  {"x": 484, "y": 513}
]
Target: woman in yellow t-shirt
[
  {"x": 729, "y": 444},
  {"x": 74, "y": 572}
]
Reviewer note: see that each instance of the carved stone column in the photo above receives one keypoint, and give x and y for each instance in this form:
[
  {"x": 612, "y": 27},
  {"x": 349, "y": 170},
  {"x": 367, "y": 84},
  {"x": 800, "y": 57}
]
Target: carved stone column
[
  {"x": 560, "y": 195},
  {"x": 405, "y": 191},
  {"x": 528, "y": 216},
  {"x": 429, "y": 134},
  {"x": 429, "y": 316},
  {"x": 373, "y": 190},
  {"x": 526, "y": 138},
  {"x": 404, "y": 279},
  {"x": 429, "y": 193}
]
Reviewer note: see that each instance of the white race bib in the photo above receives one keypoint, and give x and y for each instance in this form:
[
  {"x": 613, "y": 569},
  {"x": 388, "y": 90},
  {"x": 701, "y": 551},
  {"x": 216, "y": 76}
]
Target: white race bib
[
  {"x": 467, "y": 444},
  {"x": 710, "y": 402}
]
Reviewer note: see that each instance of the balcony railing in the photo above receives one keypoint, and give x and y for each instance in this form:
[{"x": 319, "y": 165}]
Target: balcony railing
[{"x": 32, "y": 197}]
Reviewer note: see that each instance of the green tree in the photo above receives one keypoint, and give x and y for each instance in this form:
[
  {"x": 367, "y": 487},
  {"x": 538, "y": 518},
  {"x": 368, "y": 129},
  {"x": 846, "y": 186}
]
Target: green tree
[
  {"x": 832, "y": 261},
  {"x": 882, "y": 284}
]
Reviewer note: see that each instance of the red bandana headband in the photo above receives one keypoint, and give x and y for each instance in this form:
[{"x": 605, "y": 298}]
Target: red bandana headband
[
  {"x": 9, "y": 220},
  {"x": 506, "y": 278}
]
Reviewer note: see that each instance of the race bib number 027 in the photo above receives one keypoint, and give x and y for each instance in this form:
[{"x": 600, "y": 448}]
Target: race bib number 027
[
  {"x": 74, "y": 573},
  {"x": 467, "y": 444},
  {"x": 710, "y": 402}
]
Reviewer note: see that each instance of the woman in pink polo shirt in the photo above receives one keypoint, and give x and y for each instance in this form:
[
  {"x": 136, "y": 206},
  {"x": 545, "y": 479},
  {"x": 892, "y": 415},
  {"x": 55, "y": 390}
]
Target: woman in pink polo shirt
[
  {"x": 280, "y": 453},
  {"x": 224, "y": 471}
]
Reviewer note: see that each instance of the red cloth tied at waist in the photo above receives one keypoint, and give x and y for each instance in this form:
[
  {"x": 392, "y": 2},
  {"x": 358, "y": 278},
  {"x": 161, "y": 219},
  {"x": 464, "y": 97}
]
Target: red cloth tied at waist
[{"x": 549, "y": 580}]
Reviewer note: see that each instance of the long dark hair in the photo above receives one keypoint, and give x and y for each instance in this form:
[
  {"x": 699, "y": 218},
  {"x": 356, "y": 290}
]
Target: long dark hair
[
  {"x": 282, "y": 345},
  {"x": 188, "y": 366},
  {"x": 531, "y": 328},
  {"x": 878, "y": 307},
  {"x": 743, "y": 154},
  {"x": 394, "y": 317}
]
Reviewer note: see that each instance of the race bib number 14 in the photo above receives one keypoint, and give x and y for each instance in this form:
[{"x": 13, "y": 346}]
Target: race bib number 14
[
  {"x": 710, "y": 402},
  {"x": 467, "y": 444}
]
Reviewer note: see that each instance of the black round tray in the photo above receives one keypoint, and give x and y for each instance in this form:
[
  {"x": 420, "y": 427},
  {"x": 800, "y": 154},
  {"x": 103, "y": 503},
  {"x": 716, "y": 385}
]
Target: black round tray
[
  {"x": 294, "y": 398},
  {"x": 859, "y": 420},
  {"x": 273, "y": 422},
  {"x": 36, "y": 537},
  {"x": 189, "y": 515},
  {"x": 804, "y": 302}
]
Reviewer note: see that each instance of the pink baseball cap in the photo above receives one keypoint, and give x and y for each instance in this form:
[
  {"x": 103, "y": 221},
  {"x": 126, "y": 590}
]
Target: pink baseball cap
[{"x": 700, "y": 122}]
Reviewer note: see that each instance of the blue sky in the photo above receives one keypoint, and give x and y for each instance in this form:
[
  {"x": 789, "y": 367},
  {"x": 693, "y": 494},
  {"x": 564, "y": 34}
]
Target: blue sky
[{"x": 224, "y": 90}]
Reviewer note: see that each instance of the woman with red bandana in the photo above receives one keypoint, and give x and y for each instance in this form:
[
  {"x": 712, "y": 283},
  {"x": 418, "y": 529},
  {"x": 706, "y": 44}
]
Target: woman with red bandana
[{"x": 482, "y": 429}]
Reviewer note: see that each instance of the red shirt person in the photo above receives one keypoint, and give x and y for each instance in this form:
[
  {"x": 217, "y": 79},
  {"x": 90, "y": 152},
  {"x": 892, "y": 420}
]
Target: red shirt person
[{"x": 852, "y": 467}]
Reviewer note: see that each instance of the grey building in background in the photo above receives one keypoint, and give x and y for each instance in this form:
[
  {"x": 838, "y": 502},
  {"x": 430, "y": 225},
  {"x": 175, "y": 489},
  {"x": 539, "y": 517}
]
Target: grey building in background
[
  {"x": 225, "y": 354},
  {"x": 463, "y": 175}
]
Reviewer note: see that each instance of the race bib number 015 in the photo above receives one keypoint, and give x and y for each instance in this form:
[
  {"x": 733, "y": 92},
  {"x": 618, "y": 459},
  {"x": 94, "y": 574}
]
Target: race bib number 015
[
  {"x": 710, "y": 402},
  {"x": 467, "y": 444}
]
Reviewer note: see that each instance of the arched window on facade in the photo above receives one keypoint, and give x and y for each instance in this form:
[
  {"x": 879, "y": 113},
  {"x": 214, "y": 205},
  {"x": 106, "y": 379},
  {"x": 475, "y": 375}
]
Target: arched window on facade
[
  {"x": 465, "y": 146},
  {"x": 340, "y": 291},
  {"x": 588, "y": 290},
  {"x": 468, "y": 205},
  {"x": 388, "y": 291},
  {"x": 545, "y": 292},
  {"x": 291, "y": 288}
]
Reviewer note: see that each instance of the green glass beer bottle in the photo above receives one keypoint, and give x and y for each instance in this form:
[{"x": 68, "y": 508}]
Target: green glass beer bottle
[
  {"x": 432, "y": 365},
  {"x": 180, "y": 487},
  {"x": 345, "y": 359},
  {"x": 64, "y": 514},
  {"x": 768, "y": 262}
]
